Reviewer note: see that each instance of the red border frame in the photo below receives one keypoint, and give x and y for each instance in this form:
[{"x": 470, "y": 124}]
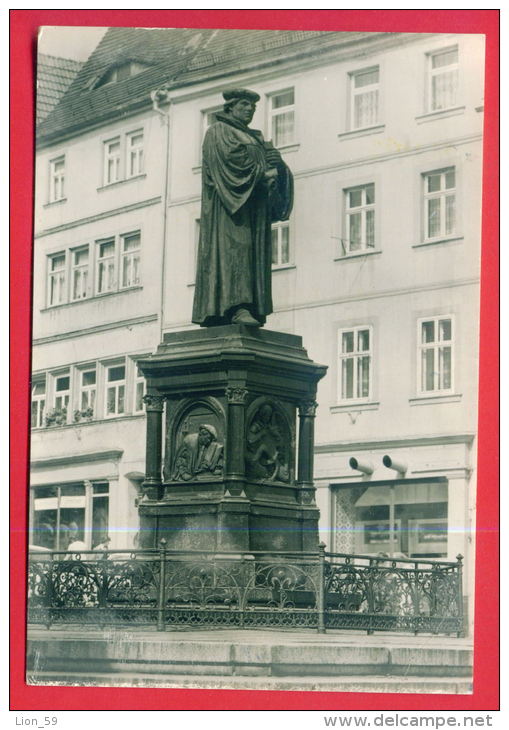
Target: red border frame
[{"x": 24, "y": 24}]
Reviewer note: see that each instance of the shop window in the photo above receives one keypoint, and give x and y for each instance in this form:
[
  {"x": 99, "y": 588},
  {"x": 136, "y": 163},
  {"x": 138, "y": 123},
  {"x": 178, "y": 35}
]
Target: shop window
[
  {"x": 401, "y": 519},
  {"x": 67, "y": 514}
]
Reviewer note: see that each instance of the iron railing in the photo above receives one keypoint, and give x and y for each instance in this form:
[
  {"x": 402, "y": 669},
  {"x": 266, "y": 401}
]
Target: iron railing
[{"x": 171, "y": 589}]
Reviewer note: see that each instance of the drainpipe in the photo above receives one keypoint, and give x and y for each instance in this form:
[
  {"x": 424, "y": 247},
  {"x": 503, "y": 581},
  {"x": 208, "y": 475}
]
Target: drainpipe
[
  {"x": 162, "y": 96},
  {"x": 366, "y": 467},
  {"x": 398, "y": 466}
]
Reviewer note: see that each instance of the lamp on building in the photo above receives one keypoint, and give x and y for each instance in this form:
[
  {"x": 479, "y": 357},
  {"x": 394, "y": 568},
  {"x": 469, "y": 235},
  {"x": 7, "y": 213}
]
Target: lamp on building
[
  {"x": 398, "y": 466},
  {"x": 366, "y": 467}
]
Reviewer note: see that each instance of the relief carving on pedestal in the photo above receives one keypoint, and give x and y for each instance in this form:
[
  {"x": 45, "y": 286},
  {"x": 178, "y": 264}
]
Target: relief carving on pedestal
[
  {"x": 268, "y": 445},
  {"x": 195, "y": 449},
  {"x": 200, "y": 455}
]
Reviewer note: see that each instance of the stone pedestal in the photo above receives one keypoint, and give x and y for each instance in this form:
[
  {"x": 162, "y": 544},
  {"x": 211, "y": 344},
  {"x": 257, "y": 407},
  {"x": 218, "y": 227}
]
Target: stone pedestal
[{"x": 235, "y": 474}]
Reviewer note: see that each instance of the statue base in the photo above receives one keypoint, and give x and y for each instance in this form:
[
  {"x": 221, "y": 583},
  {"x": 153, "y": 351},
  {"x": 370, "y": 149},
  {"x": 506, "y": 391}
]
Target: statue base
[{"x": 237, "y": 472}]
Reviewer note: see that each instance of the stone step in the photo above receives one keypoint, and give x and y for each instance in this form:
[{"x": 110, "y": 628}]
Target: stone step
[
  {"x": 374, "y": 683},
  {"x": 237, "y": 655}
]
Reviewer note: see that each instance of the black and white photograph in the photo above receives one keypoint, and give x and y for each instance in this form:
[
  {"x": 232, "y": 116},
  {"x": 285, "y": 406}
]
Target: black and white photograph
[{"x": 255, "y": 351}]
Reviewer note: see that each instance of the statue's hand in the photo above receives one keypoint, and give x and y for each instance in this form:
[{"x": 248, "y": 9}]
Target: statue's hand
[
  {"x": 271, "y": 174},
  {"x": 273, "y": 157}
]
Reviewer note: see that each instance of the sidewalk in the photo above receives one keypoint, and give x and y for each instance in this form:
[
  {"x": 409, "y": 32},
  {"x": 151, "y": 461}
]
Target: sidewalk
[{"x": 263, "y": 659}]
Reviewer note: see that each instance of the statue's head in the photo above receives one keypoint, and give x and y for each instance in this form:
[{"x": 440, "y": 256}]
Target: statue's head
[
  {"x": 240, "y": 104},
  {"x": 206, "y": 434}
]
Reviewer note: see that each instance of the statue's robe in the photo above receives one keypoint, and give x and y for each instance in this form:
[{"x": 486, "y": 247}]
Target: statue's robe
[{"x": 235, "y": 247}]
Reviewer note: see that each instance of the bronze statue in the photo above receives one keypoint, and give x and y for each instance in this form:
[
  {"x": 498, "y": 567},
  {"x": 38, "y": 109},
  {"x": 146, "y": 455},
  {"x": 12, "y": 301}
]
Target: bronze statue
[{"x": 246, "y": 186}]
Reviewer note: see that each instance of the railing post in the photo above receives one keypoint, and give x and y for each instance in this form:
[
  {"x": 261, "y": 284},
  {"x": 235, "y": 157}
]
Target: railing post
[
  {"x": 370, "y": 594},
  {"x": 162, "y": 585},
  {"x": 461, "y": 617},
  {"x": 101, "y": 570},
  {"x": 49, "y": 591},
  {"x": 321, "y": 588},
  {"x": 416, "y": 599}
]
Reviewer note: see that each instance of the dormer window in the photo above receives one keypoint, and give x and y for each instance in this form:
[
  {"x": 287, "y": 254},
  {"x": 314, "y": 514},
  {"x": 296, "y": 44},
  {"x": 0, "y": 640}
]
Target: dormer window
[{"x": 122, "y": 72}]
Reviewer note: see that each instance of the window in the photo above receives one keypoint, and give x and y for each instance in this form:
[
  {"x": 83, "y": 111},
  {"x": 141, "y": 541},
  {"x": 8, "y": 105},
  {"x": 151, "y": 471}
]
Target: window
[
  {"x": 79, "y": 273},
  {"x": 73, "y": 395},
  {"x": 112, "y": 161},
  {"x": 121, "y": 73},
  {"x": 355, "y": 358},
  {"x": 62, "y": 392},
  {"x": 100, "y": 515},
  {"x": 130, "y": 259},
  {"x": 365, "y": 98},
  {"x": 134, "y": 145},
  {"x": 443, "y": 79},
  {"x": 280, "y": 244},
  {"x": 76, "y": 274},
  {"x": 57, "y": 179},
  {"x": 359, "y": 219},
  {"x": 115, "y": 390},
  {"x": 439, "y": 203},
  {"x": 38, "y": 403},
  {"x": 56, "y": 279},
  {"x": 209, "y": 117},
  {"x": 106, "y": 265},
  {"x": 139, "y": 391},
  {"x": 63, "y": 514},
  {"x": 123, "y": 157},
  {"x": 435, "y": 337},
  {"x": 88, "y": 385},
  {"x": 282, "y": 117},
  {"x": 404, "y": 518}
]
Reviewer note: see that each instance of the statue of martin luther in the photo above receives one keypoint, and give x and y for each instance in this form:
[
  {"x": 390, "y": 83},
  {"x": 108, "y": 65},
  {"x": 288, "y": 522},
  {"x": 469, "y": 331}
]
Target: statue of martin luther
[{"x": 246, "y": 186}]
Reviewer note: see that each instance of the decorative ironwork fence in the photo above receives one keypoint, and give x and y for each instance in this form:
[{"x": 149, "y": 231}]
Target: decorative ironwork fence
[{"x": 247, "y": 590}]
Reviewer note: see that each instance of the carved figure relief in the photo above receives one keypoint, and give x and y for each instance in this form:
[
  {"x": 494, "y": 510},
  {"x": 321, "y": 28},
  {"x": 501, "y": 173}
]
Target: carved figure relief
[
  {"x": 199, "y": 456},
  {"x": 268, "y": 446},
  {"x": 194, "y": 441}
]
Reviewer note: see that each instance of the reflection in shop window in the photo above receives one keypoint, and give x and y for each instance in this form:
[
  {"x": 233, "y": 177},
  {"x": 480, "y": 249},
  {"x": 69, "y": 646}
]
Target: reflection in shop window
[
  {"x": 401, "y": 519},
  {"x": 70, "y": 513}
]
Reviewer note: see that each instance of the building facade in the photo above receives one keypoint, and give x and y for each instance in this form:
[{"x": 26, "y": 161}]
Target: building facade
[{"x": 377, "y": 270}]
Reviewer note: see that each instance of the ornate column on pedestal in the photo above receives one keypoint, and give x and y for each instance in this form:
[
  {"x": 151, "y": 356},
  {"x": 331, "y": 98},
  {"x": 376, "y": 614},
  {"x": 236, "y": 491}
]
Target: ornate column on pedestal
[
  {"x": 154, "y": 404},
  {"x": 235, "y": 445},
  {"x": 307, "y": 412}
]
